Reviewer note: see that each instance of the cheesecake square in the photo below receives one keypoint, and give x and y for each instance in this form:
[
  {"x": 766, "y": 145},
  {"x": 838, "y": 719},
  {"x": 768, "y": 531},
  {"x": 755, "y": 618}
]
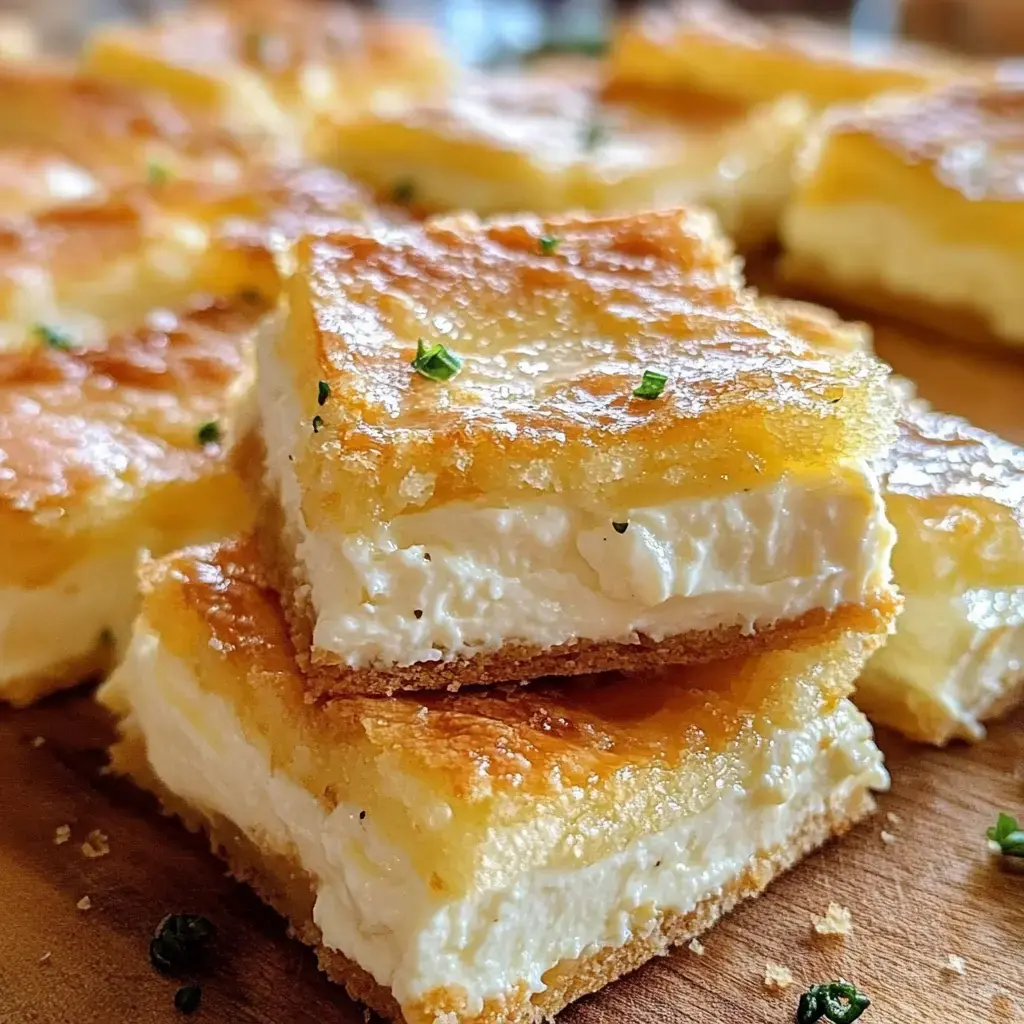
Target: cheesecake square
[
  {"x": 914, "y": 206},
  {"x": 501, "y": 450},
  {"x": 717, "y": 49},
  {"x": 954, "y": 494},
  {"x": 494, "y": 855},
  {"x": 265, "y": 67},
  {"x": 547, "y": 143}
]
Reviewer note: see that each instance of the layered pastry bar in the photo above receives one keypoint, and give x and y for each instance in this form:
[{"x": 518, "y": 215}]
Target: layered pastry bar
[
  {"x": 501, "y": 450},
  {"x": 264, "y": 67},
  {"x": 915, "y": 206},
  {"x": 113, "y": 448},
  {"x": 954, "y": 494},
  {"x": 496, "y": 854},
  {"x": 546, "y": 143},
  {"x": 713, "y": 48}
]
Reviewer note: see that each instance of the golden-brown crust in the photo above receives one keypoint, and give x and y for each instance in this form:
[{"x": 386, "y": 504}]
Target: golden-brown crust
[
  {"x": 284, "y": 885},
  {"x": 711, "y": 45},
  {"x": 747, "y": 396},
  {"x": 26, "y": 690}
]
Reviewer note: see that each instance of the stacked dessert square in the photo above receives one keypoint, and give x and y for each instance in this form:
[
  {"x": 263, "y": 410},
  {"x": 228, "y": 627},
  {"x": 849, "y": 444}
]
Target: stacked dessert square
[{"x": 576, "y": 448}]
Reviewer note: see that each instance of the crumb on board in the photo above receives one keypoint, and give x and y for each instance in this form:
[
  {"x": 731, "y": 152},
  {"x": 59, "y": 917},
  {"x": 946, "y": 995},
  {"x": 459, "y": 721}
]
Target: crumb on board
[
  {"x": 892, "y": 818},
  {"x": 38, "y": 741},
  {"x": 96, "y": 845},
  {"x": 45, "y": 958},
  {"x": 84, "y": 903},
  {"x": 696, "y": 947},
  {"x": 61, "y": 835},
  {"x": 887, "y": 837},
  {"x": 776, "y": 977},
  {"x": 955, "y": 965},
  {"x": 837, "y": 920}
]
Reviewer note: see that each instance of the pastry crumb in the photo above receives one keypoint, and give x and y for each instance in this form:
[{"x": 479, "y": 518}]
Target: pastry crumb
[
  {"x": 837, "y": 920},
  {"x": 61, "y": 835},
  {"x": 887, "y": 837},
  {"x": 777, "y": 977},
  {"x": 96, "y": 844},
  {"x": 892, "y": 818},
  {"x": 38, "y": 741},
  {"x": 956, "y": 965},
  {"x": 696, "y": 947},
  {"x": 45, "y": 958},
  {"x": 84, "y": 903}
]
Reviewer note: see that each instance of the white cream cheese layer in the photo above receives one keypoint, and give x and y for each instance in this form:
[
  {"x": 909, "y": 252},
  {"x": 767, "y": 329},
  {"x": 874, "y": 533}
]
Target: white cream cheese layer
[
  {"x": 464, "y": 578},
  {"x": 957, "y": 654},
  {"x": 46, "y": 627},
  {"x": 871, "y": 245},
  {"x": 374, "y": 908}
]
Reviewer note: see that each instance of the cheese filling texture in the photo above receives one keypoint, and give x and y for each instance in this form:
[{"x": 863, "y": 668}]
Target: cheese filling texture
[
  {"x": 962, "y": 652},
  {"x": 45, "y": 628},
  {"x": 461, "y": 579},
  {"x": 375, "y": 909},
  {"x": 873, "y": 245}
]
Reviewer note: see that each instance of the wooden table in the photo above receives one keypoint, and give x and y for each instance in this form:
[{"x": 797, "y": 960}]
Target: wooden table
[{"x": 935, "y": 891}]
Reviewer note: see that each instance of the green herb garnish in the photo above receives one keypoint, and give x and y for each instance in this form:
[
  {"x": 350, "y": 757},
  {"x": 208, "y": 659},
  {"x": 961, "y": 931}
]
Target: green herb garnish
[
  {"x": 318, "y": 422},
  {"x": 435, "y": 362},
  {"x": 403, "y": 191},
  {"x": 323, "y": 392},
  {"x": 548, "y": 244},
  {"x": 180, "y": 943},
  {"x": 835, "y": 1001},
  {"x": 594, "y": 132},
  {"x": 651, "y": 385},
  {"x": 620, "y": 527},
  {"x": 1008, "y": 835},
  {"x": 208, "y": 433},
  {"x": 54, "y": 338},
  {"x": 157, "y": 174},
  {"x": 187, "y": 999}
]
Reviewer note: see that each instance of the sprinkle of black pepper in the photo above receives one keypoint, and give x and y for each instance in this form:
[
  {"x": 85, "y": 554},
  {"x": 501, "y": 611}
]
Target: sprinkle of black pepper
[
  {"x": 180, "y": 943},
  {"x": 403, "y": 191},
  {"x": 362, "y": 814},
  {"x": 323, "y": 392},
  {"x": 418, "y": 612},
  {"x": 187, "y": 999},
  {"x": 620, "y": 527},
  {"x": 251, "y": 295},
  {"x": 426, "y": 556},
  {"x": 208, "y": 433},
  {"x": 318, "y": 422}
]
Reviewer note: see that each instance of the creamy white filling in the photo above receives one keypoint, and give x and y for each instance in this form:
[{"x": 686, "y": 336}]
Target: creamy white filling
[
  {"x": 373, "y": 907},
  {"x": 869, "y": 244},
  {"x": 546, "y": 572},
  {"x": 962, "y": 653},
  {"x": 43, "y": 628}
]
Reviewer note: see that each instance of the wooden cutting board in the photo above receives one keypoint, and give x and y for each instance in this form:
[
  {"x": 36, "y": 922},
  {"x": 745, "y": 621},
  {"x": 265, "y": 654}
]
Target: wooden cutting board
[{"x": 933, "y": 892}]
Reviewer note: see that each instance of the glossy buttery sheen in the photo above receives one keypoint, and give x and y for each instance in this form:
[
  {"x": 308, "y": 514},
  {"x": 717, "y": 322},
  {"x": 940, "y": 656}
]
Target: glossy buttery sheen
[{"x": 374, "y": 907}]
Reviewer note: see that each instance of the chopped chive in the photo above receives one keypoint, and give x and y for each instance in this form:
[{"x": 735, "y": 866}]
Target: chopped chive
[
  {"x": 620, "y": 527},
  {"x": 187, "y": 999},
  {"x": 54, "y": 338},
  {"x": 157, "y": 174},
  {"x": 323, "y": 392},
  {"x": 209, "y": 433},
  {"x": 435, "y": 362},
  {"x": 318, "y": 422},
  {"x": 651, "y": 385},
  {"x": 1007, "y": 835},
  {"x": 403, "y": 191},
  {"x": 836, "y": 1001},
  {"x": 548, "y": 244}
]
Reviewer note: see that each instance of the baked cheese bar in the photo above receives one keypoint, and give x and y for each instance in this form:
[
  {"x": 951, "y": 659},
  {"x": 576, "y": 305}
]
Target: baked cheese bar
[
  {"x": 545, "y": 144},
  {"x": 501, "y": 450},
  {"x": 264, "y": 67},
  {"x": 714, "y": 48},
  {"x": 494, "y": 855},
  {"x": 915, "y": 206},
  {"x": 954, "y": 494}
]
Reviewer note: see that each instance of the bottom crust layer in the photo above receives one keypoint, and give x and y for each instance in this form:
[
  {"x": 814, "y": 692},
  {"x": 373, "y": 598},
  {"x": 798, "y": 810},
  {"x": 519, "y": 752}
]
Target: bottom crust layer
[
  {"x": 26, "y": 690},
  {"x": 286, "y": 887}
]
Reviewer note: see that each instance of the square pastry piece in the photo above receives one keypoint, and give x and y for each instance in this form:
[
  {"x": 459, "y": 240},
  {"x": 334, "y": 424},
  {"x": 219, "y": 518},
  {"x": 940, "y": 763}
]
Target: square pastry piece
[
  {"x": 714, "y": 48},
  {"x": 916, "y": 206},
  {"x": 547, "y": 144},
  {"x": 954, "y": 494},
  {"x": 496, "y": 451},
  {"x": 487, "y": 856}
]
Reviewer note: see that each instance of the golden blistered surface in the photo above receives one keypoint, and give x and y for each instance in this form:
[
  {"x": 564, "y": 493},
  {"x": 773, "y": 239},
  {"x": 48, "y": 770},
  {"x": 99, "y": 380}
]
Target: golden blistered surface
[
  {"x": 969, "y": 136},
  {"x": 554, "y": 338},
  {"x": 101, "y": 447},
  {"x": 269, "y": 58},
  {"x": 956, "y": 497},
  {"x": 709, "y": 45},
  {"x": 591, "y": 761}
]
